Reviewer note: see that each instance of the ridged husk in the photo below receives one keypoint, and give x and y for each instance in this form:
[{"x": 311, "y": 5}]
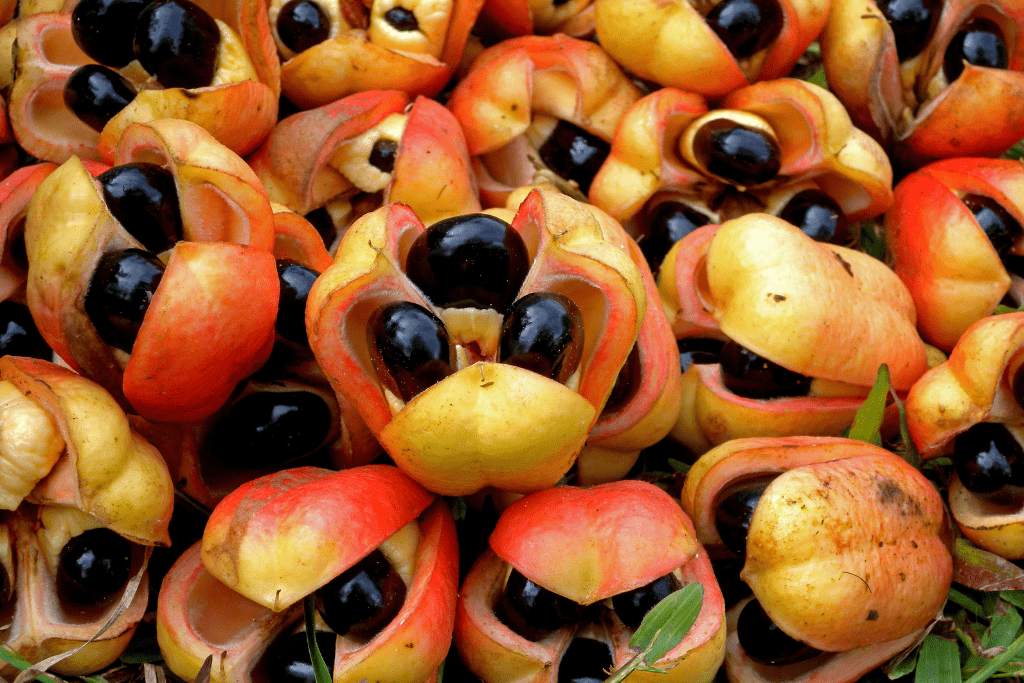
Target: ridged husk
[
  {"x": 671, "y": 44},
  {"x": 199, "y": 616},
  {"x": 817, "y": 144},
  {"x": 511, "y": 428},
  {"x": 107, "y": 470},
  {"x": 16, "y": 192},
  {"x": 980, "y": 114},
  {"x": 939, "y": 250},
  {"x": 848, "y": 544},
  {"x": 431, "y": 170},
  {"x": 618, "y": 536}
]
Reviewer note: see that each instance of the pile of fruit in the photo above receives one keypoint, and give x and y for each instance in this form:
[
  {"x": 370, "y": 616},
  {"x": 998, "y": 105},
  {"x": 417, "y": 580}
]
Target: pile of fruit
[{"x": 511, "y": 340}]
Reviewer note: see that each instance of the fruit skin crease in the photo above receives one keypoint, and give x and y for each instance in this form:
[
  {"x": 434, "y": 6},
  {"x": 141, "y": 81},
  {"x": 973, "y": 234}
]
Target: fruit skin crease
[
  {"x": 588, "y": 545},
  {"x": 488, "y": 423}
]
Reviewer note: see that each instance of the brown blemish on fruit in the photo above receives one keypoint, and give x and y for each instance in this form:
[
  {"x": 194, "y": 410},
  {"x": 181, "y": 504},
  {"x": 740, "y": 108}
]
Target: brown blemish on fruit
[
  {"x": 872, "y": 615},
  {"x": 844, "y": 263},
  {"x": 890, "y": 494}
]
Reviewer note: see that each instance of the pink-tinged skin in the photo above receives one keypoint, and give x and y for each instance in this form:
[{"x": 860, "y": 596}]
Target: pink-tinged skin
[
  {"x": 107, "y": 470},
  {"x": 38, "y": 625},
  {"x": 193, "y": 346},
  {"x": 571, "y": 256},
  {"x": 671, "y": 44},
  {"x": 297, "y": 240},
  {"x": 572, "y": 80},
  {"x": 431, "y": 170},
  {"x": 884, "y": 553},
  {"x": 350, "y": 62},
  {"x": 198, "y": 616},
  {"x": 979, "y": 114},
  {"x": 16, "y": 191},
  {"x": 941, "y": 252},
  {"x": 841, "y": 667},
  {"x": 619, "y": 536},
  {"x": 239, "y": 112}
]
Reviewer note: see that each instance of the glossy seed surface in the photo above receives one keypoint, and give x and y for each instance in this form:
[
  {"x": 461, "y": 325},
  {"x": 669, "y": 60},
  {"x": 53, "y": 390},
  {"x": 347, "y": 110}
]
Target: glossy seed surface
[
  {"x": 667, "y": 224},
  {"x": 363, "y": 599},
  {"x": 19, "y": 335},
  {"x": 104, "y": 28},
  {"x": 544, "y": 333},
  {"x": 301, "y": 24},
  {"x": 382, "y": 156},
  {"x": 471, "y": 261},
  {"x": 96, "y": 94},
  {"x": 912, "y": 22},
  {"x": 177, "y": 41},
  {"x": 144, "y": 199},
  {"x": 586, "y": 660},
  {"x": 93, "y": 566},
  {"x": 296, "y": 281},
  {"x": 980, "y": 42},
  {"x": 736, "y": 153},
  {"x": 752, "y": 376},
  {"x": 402, "y": 19},
  {"x": 574, "y": 154},
  {"x": 533, "y": 611},
  {"x": 119, "y": 294},
  {"x": 632, "y": 606},
  {"x": 817, "y": 215},
  {"x": 987, "y": 458},
  {"x": 766, "y": 643},
  {"x": 734, "y": 512},
  {"x": 410, "y": 348},
  {"x": 698, "y": 351},
  {"x": 746, "y": 26},
  {"x": 288, "y": 661},
  {"x": 1000, "y": 227}
]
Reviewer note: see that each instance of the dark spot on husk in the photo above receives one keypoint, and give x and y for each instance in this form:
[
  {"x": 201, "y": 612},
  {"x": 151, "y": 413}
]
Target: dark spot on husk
[
  {"x": 843, "y": 262},
  {"x": 872, "y": 615},
  {"x": 890, "y": 494}
]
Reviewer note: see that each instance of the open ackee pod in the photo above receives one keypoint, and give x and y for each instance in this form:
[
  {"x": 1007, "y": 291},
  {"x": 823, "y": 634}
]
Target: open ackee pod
[
  {"x": 955, "y": 271},
  {"x": 972, "y": 402},
  {"x": 191, "y": 345},
  {"x": 486, "y": 423},
  {"x": 587, "y": 546},
  {"x": 500, "y": 19},
  {"x": 661, "y": 161},
  {"x": 675, "y": 45},
  {"x": 282, "y": 537},
  {"x": 372, "y": 148},
  {"x": 238, "y": 107},
  {"x": 372, "y": 45},
  {"x": 846, "y": 548},
  {"x": 899, "y": 89},
  {"x": 539, "y": 103},
  {"x": 72, "y": 469},
  {"x": 749, "y": 279}
]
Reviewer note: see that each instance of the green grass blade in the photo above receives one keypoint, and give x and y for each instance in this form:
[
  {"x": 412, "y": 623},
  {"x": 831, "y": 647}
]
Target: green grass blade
[
  {"x": 938, "y": 661},
  {"x": 867, "y": 423},
  {"x": 320, "y": 671}
]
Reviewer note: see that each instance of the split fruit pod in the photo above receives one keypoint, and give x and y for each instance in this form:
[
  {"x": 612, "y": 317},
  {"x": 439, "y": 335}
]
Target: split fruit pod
[
  {"x": 955, "y": 234},
  {"x": 491, "y": 400},
  {"x": 308, "y": 533},
  {"x": 77, "y": 482},
  {"x": 510, "y": 18},
  {"x": 167, "y": 304},
  {"x": 741, "y": 289},
  {"x": 969, "y": 409},
  {"x": 846, "y": 547},
  {"x": 596, "y": 560}
]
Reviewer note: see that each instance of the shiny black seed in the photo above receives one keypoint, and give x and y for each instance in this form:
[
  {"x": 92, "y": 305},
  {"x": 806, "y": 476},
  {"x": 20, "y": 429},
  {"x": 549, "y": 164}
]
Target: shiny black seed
[
  {"x": 912, "y": 22},
  {"x": 749, "y": 375},
  {"x": 288, "y": 661},
  {"x": 533, "y": 611},
  {"x": 302, "y": 24},
  {"x": 980, "y": 43},
  {"x": 667, "y": 224},
  {"x": 766, "y": 643},
  {"x": 296, "y": 281},
  {"x": 734, "y": 511},
  {"x": 119, "y": 294},
  {"x": 104, "y": 28},
  {"x": 19, "y": 335},
  {"x": 585, "y": 661},
  {"x": 698, "y": 351},
  {"x": 739, "y": 154},
  {"x": 402, "y": 19},
  {"x": 633, "y": 606},
  {"x": 817, "y": 215},
  {"x": 472, "y": 261},
  {"x": 627, "y": 382},
  {"x": 746, "y": 26},
  {"x": 574, "y": 154},
  {"x": 1000, "y": 227},
  {"x": 410, "y": 348},
  {"x": 321, "y": 221},
  {"x": 382, "y": 156},
  {"x": 144, "y": 199},
  {"x": 95, "y": 94},
  {"x": 177, "y": 41},
  {"x": 93, "y": 566},
  {"x": 544, "y": 333},
  {"x": 363, "y": 599},
  {"x": 987, "y": 458},
  {"x": 269, "y": 429}
]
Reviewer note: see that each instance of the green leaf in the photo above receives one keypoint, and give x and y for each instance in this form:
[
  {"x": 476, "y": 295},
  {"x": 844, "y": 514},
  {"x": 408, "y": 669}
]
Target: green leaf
[
  {"x": 320, "y": 671},
  {"x": 1002, "y": 309},
  {"x": 1005, "y": 626},
  {"x": 938, "y": 661},
  {"x": 458, "y": 508},
  {"x": 667, "y": 624},
  {"x": 22, "y": 664},
  {"x": 679, "y": 465},
  {"x": 819, "y": 79},
  {"x": 1016, "y": 152},
  {"x": 1011, "y": 653},
  {"x": 982, "y": 570},
  {"x": 903, "y": 667},
  {"x": 872, "y": 240},
  {"x": 867, "y": 423},
  {"x": 967, "y": 602},
  {"x": 1015, "y": 598}
]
